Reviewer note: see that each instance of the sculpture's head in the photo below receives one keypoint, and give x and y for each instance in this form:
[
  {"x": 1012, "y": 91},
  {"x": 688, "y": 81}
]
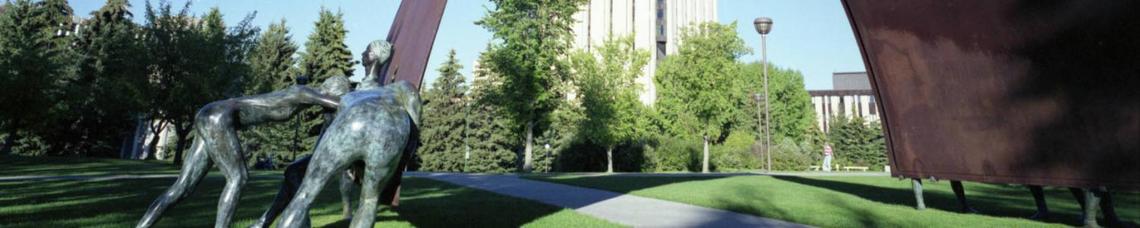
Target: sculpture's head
[
  {"x": 407, "y": 94},
  {"x": 336, "y": 86},
  {"x": 373, "y": 58}
]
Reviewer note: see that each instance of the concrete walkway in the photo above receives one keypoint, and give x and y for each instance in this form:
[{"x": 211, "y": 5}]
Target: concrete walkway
[{"x": 616, "y": 207}]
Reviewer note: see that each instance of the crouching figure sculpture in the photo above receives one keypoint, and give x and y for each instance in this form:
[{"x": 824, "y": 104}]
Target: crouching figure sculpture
[
  {"x": 373, "y": 125},
  {"x": 216, "y": 142}
]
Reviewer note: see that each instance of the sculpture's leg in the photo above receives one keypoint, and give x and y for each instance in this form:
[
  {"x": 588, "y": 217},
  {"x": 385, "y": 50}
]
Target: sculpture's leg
[
  {"x": 294, "y": 173},
  {"x": 227, "y": 155},
  {"x": 1079, "y": 195},
  {"x": 916, "y": 184},
  {"x": 322, "y": 167},
  {"x": 1092, "y": 201},
  {"x": 1039, "y": 200},
  {"x": 378, "y": 169},
  {"x": 960, "y": 192},
  {"x": 346, "y": 185},
  {"x": 195, "y": 166}
]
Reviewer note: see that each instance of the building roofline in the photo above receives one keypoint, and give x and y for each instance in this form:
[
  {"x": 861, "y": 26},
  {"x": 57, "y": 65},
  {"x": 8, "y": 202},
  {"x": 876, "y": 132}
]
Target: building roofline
[
  {"x": 849, "y": 72},
  {"x": 840, "y": 92}
]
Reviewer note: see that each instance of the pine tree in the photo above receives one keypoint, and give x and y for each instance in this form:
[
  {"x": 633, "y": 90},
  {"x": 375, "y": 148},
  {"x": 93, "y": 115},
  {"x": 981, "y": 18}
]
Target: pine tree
[
  {"x": 325, "y": 56},
  {"x": 443, "y": 119},
  {"x": 29, "y": 71},
  {"x": 107, "y": 95},
  {"x": 273, "y": 68},
  {"x": 490, "y": 139}
]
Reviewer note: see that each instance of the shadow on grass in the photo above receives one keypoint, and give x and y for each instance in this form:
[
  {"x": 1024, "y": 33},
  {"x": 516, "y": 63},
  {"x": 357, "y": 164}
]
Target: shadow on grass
[
  {"x": 989, "y": 199},
  {"x": 120, "y": 203}
]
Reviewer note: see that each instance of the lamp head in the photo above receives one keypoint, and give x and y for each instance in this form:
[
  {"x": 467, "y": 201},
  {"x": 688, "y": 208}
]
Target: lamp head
[{"x": 763, "y": 25}]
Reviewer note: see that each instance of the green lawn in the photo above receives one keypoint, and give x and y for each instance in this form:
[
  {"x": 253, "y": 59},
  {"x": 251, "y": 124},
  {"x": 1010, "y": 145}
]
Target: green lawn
[
  {"x": 120, "y": 203},
  {"x": 851, "y": 201}
]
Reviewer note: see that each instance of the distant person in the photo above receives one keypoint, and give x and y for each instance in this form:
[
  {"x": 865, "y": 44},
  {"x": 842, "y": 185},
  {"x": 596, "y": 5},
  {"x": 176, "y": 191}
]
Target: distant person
[{"x": 826, "y": 157}]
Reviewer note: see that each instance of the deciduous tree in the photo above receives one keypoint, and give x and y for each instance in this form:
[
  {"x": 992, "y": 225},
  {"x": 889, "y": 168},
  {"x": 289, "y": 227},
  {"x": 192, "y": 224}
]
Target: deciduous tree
[
  {"x": 608, "y": 93},
  {"x": 532, "y": 38},
  {"x": 700, "y": 88}
]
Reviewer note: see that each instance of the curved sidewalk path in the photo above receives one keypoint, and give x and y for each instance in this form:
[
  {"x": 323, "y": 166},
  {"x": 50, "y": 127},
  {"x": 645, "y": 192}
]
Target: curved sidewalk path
[{"x": 616, "y": 207}]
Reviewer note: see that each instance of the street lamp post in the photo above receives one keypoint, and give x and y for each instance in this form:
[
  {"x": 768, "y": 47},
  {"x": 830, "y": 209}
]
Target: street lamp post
[{"x": 763, "y": 26}]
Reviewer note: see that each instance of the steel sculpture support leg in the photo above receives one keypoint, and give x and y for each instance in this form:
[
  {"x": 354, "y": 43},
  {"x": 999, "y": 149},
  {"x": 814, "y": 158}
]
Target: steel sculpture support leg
[
  {"x": 1090, "y": 206},
  {"x": 1093, "y": 199},
  {"x": 960, "y": 193},
  {"x": 1039, "y": 200},
  {"x": 916, "y": 184}
]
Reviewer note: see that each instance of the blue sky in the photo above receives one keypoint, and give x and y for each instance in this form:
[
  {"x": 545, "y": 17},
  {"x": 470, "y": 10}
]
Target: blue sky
[{"x": 812, "y": 36}]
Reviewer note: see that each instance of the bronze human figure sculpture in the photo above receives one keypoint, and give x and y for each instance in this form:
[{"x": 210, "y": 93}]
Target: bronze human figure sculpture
[
  {"x": 376, "y": 55},
  {"x": 373, "y": 125},
  {"x": 216, "y": 142}
]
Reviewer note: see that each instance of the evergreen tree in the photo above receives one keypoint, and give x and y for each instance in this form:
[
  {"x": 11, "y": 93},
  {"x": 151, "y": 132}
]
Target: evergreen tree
[
  {"x": 272, "y": 61},
  {"x": 29, "y": 71},
  {"x": 443, "y": 120},
  {"x": 273, "y": 68},
  {"x": 700, "y": 88},
  {"x": 609, "y": 94},
  {"x": 107, "y": 95},
  {"x": 491, "y": 142},
  {"x": 535, "y": 36},
  {"x": 326, "y": 55},
  {"x": 857, "y": 142}
]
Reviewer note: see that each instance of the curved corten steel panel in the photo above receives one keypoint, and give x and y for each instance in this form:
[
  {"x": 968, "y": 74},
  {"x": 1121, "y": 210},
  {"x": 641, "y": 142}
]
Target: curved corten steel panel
[{"x": 1006, "y": 91}]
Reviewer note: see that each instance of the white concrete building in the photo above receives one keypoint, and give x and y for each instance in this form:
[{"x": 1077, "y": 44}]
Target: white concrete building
[
  {"x": 851, "y": 96},
  {"x": 655, "y": 24}
]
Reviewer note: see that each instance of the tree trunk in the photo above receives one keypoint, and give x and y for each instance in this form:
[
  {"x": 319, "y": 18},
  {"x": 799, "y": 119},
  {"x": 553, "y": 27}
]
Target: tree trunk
[
  {"x": 183, "y": 133},
  {"x": 6, "y": 149},
  {"x": 156, "y": 134},
  {"x": 705, "y": 163},
  {"x": 528, "y": 149},
  {"x": 610, "y": 159}
]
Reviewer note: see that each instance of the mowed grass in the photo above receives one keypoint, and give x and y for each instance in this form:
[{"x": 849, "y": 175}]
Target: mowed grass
[
  {"x": 120, "y": 203},
  {"x": 852, "y": 201}
]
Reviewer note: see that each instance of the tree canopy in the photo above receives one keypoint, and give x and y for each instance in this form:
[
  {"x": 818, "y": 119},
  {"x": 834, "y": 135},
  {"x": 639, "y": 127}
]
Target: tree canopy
[
  {"x": 608, "y": 92},
  {"x": 444, "y": 117},
  {"x": 532, "y": 37}
]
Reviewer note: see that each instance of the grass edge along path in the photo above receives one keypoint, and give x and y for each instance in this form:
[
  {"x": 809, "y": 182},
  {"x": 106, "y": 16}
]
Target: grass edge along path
[{"x": 848, "y": 201}]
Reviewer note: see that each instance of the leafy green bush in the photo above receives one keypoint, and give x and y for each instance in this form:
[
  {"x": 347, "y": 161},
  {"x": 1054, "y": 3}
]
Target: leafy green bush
[
  {"x": 791, "y": 156},
  {"x": 673, "y": 154},
  {"x": 734, "y": 154}
]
